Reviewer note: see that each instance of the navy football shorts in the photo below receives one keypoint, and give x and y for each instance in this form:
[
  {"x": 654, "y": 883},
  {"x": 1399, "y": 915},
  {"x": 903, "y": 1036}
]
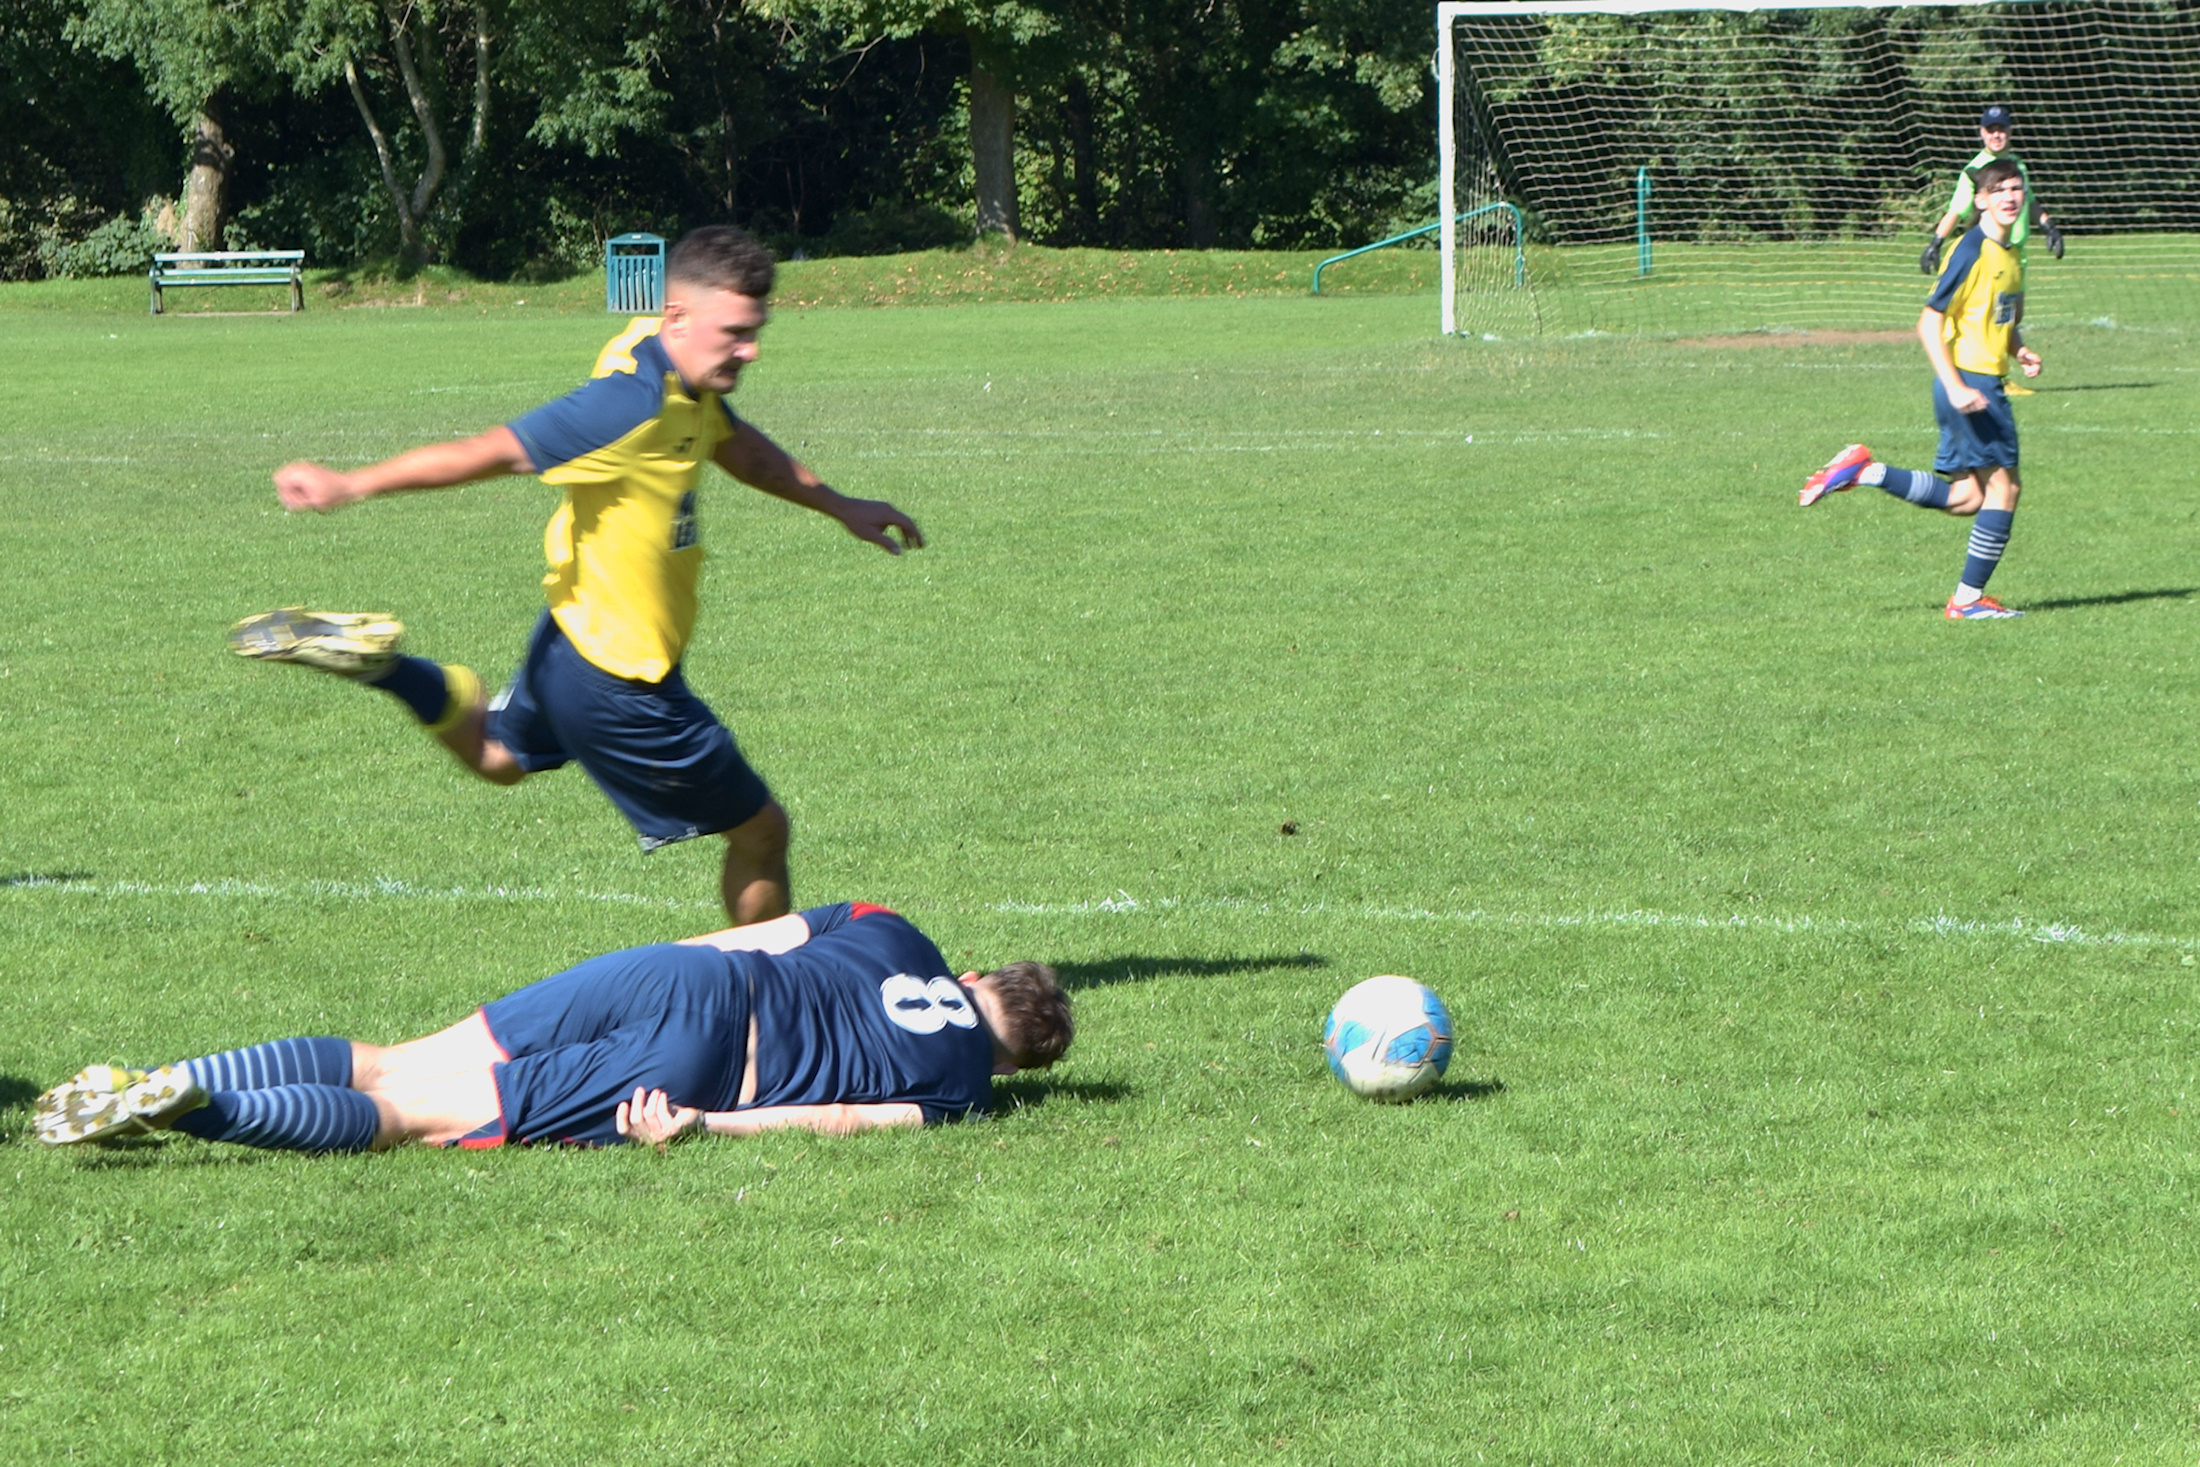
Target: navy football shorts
[
  {"x": 655, "y": 749},
  {"x": 1972, "y": 443},
  {"x": 667, "y": 1018}
]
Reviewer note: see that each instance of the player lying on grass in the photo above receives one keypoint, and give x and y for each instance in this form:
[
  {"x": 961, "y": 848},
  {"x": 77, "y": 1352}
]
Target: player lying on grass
[
  {"x": 838, "y": 1019},
  {"x": 1969, "y": 331},
  {"x": 600, "y": 683}
]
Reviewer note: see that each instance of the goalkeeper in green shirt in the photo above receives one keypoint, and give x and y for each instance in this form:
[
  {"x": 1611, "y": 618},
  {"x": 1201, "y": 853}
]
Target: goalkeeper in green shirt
[{"x": 1993, "y": 136}]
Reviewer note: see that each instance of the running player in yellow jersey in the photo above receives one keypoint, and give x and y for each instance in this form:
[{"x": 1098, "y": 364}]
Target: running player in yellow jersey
[
  {"x": 1969, "y": 331},
  {"x": 600, "y": 684}
]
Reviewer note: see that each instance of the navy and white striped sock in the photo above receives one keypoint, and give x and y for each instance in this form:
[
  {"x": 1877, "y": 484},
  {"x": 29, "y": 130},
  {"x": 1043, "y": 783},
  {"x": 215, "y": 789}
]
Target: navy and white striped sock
[
  {"x": 1989, "y": 538},
  {"x": 1914, "y": 485},
  {"x": 286, "y": 1118},
  {"x": 277, "y": 1062}
]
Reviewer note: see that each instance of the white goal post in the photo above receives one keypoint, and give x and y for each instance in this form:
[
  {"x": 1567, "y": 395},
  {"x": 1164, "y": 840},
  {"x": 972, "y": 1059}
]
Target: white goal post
[{"x": 1728, "y": 165}]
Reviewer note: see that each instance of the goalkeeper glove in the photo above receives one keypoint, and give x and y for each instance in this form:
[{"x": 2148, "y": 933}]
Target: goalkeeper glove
[
  {"x": 2053, "y": 236},
  {"x": 1929, "y": 262}
]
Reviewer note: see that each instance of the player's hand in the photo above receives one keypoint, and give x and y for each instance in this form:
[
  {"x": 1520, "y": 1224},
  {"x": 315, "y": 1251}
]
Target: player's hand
[
  {"x": 1929, "y": 262},
  {"x": 652, "y": 1119},
  {"x": 2052, "y": 233},
  {"x": 310, "y": 486},
  {"x": 1965, "y": 398},
  {"x": 870, "y": 519},
  {"x": 2029, "y": 360}
]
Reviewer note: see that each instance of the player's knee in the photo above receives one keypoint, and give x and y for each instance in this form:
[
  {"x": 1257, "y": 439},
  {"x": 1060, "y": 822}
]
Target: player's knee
[
  {"x": 367, "y": 1065},
  {"x": 763, "y": 836},
  {"x": 390, "y": 1125},
  {"x": 495, "y": 764}
]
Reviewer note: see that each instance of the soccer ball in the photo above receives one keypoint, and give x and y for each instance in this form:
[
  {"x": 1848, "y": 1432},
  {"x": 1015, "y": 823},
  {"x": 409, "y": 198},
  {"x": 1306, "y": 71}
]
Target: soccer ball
[{"x": 1388, "y": 1039}]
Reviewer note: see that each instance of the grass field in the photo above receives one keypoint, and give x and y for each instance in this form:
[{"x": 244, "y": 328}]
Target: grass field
[
  {"x": 1824, "y": 970},
  {"x": 2130, "y": 281}
]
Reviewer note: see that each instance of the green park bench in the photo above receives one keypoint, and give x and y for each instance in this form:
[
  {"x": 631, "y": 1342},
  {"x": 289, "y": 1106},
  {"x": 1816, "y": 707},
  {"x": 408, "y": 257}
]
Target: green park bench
[{"x": 232, "y": 267}]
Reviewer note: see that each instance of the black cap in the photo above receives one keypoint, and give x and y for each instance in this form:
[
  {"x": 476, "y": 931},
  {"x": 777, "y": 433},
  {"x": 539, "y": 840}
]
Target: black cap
[{"x": 1994, "y": 119}]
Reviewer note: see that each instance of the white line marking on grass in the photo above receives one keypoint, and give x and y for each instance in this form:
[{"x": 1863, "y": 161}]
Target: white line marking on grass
[
  {"x": 1124, "y": 904},
  {"x": 1080, "y": 444},
  {"x": 381, "y": 889},
  {"x": 1937, "y": 926}
]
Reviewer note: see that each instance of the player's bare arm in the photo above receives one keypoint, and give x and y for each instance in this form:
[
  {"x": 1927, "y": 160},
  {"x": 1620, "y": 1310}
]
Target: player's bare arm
[
  {"x": 2027, "y": 359},
  {"x": 756, "y": 461},
  {"x": 778, "y": 935},
  {"x": 652, "y": 1119},
  {"x": 487, "y": 455}
]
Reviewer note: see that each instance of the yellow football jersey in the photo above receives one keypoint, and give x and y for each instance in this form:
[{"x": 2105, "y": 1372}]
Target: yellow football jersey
[
  {"x": 628, "y": 447},
  {"x": 1981, "y": 297}
]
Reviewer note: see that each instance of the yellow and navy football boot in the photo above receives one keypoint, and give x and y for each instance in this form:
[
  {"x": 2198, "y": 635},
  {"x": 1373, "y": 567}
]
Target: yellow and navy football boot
[
  {"x": 347, "y": 643},
  {"x": 156, "y": 1100}
]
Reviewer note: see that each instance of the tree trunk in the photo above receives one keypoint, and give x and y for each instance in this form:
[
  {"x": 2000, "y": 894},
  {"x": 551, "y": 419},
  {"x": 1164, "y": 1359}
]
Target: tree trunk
[
  {"x": 1084, "y": 190},
  {"x": 206, "y": 186},
  {"x": 993, "y": 146},
  {"x": 1199, "y": 222},
  {"x": 408, "y": 228}
]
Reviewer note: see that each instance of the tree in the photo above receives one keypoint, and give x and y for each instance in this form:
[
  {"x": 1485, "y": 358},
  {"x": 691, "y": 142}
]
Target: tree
[
  {"x": 420, "y": 42},
  {"x": 1008, "y": 48},
  {"x": 193, "y": 54}
]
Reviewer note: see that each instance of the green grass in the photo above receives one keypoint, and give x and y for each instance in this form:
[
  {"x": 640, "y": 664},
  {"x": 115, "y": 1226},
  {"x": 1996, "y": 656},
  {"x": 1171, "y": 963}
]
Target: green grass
[
  {"x": 981, "y": 273},
  {"x": 1824, "y": 969},
  {"x": 2140, "y": 281}
]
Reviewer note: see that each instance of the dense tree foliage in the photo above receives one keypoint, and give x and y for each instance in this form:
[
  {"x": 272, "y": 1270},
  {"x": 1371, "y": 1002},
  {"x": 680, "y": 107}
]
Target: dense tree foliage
[{"x": 511, "y": 137}]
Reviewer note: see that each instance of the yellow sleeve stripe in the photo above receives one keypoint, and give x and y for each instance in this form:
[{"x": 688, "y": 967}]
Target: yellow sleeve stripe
[{"x": 618, "y": 353}]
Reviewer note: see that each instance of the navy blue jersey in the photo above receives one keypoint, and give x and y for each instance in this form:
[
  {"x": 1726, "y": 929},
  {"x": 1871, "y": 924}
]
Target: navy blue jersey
[{"x": 866, "y": 1011}]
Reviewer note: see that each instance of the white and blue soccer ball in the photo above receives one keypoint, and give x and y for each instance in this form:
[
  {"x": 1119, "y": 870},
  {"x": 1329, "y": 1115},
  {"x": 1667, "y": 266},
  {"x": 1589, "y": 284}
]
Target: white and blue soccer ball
[{"x": 1388, "y": 1038}]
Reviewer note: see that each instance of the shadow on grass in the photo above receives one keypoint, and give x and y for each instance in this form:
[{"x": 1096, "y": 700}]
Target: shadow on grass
[
  {"x": 2120, "y": 598},
  {"x": 1136, "y": 968},
  {"x": 168, "y": 1150},
  {"x": 1034, "y": 1091},
  {"x": 1466, "y": 1090},
  {"x": 15, "y": 1091},
  {"x": 2097, "y": 387},
  {"x": 43, "y": 878}
]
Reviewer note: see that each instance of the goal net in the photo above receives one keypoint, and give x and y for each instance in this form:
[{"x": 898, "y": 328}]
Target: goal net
[{"x": 1629, "y": 166}]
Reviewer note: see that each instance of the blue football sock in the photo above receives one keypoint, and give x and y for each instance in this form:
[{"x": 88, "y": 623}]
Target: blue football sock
[
  {"x": 1989, "y": 537},
  {"x": 286, "y": 1118},
  {"x": 417, "y": 683},
  {"x": 278, "y": 1062},
  {"x": 1914, "y": 485}
]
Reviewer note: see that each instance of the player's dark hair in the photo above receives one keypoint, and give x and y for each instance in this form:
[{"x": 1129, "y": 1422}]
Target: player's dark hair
[
  {"x": 1034, "y": 1013},
  {"x": 722, "y": 257},
  {"x": 1996, "y": 173}
]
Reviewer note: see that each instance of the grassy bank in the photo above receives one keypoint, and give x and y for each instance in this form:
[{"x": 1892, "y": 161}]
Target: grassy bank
[{"x": 934, "y": 277}]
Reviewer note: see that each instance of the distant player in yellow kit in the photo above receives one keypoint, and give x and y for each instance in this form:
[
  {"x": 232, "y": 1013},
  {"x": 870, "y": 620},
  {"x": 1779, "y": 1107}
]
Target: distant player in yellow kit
[{"x": 600, "y": 684}]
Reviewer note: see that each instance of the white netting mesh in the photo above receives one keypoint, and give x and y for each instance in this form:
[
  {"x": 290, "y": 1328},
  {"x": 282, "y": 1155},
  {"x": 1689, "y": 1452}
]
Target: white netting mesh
[{"x": 1795, "y": 159}]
